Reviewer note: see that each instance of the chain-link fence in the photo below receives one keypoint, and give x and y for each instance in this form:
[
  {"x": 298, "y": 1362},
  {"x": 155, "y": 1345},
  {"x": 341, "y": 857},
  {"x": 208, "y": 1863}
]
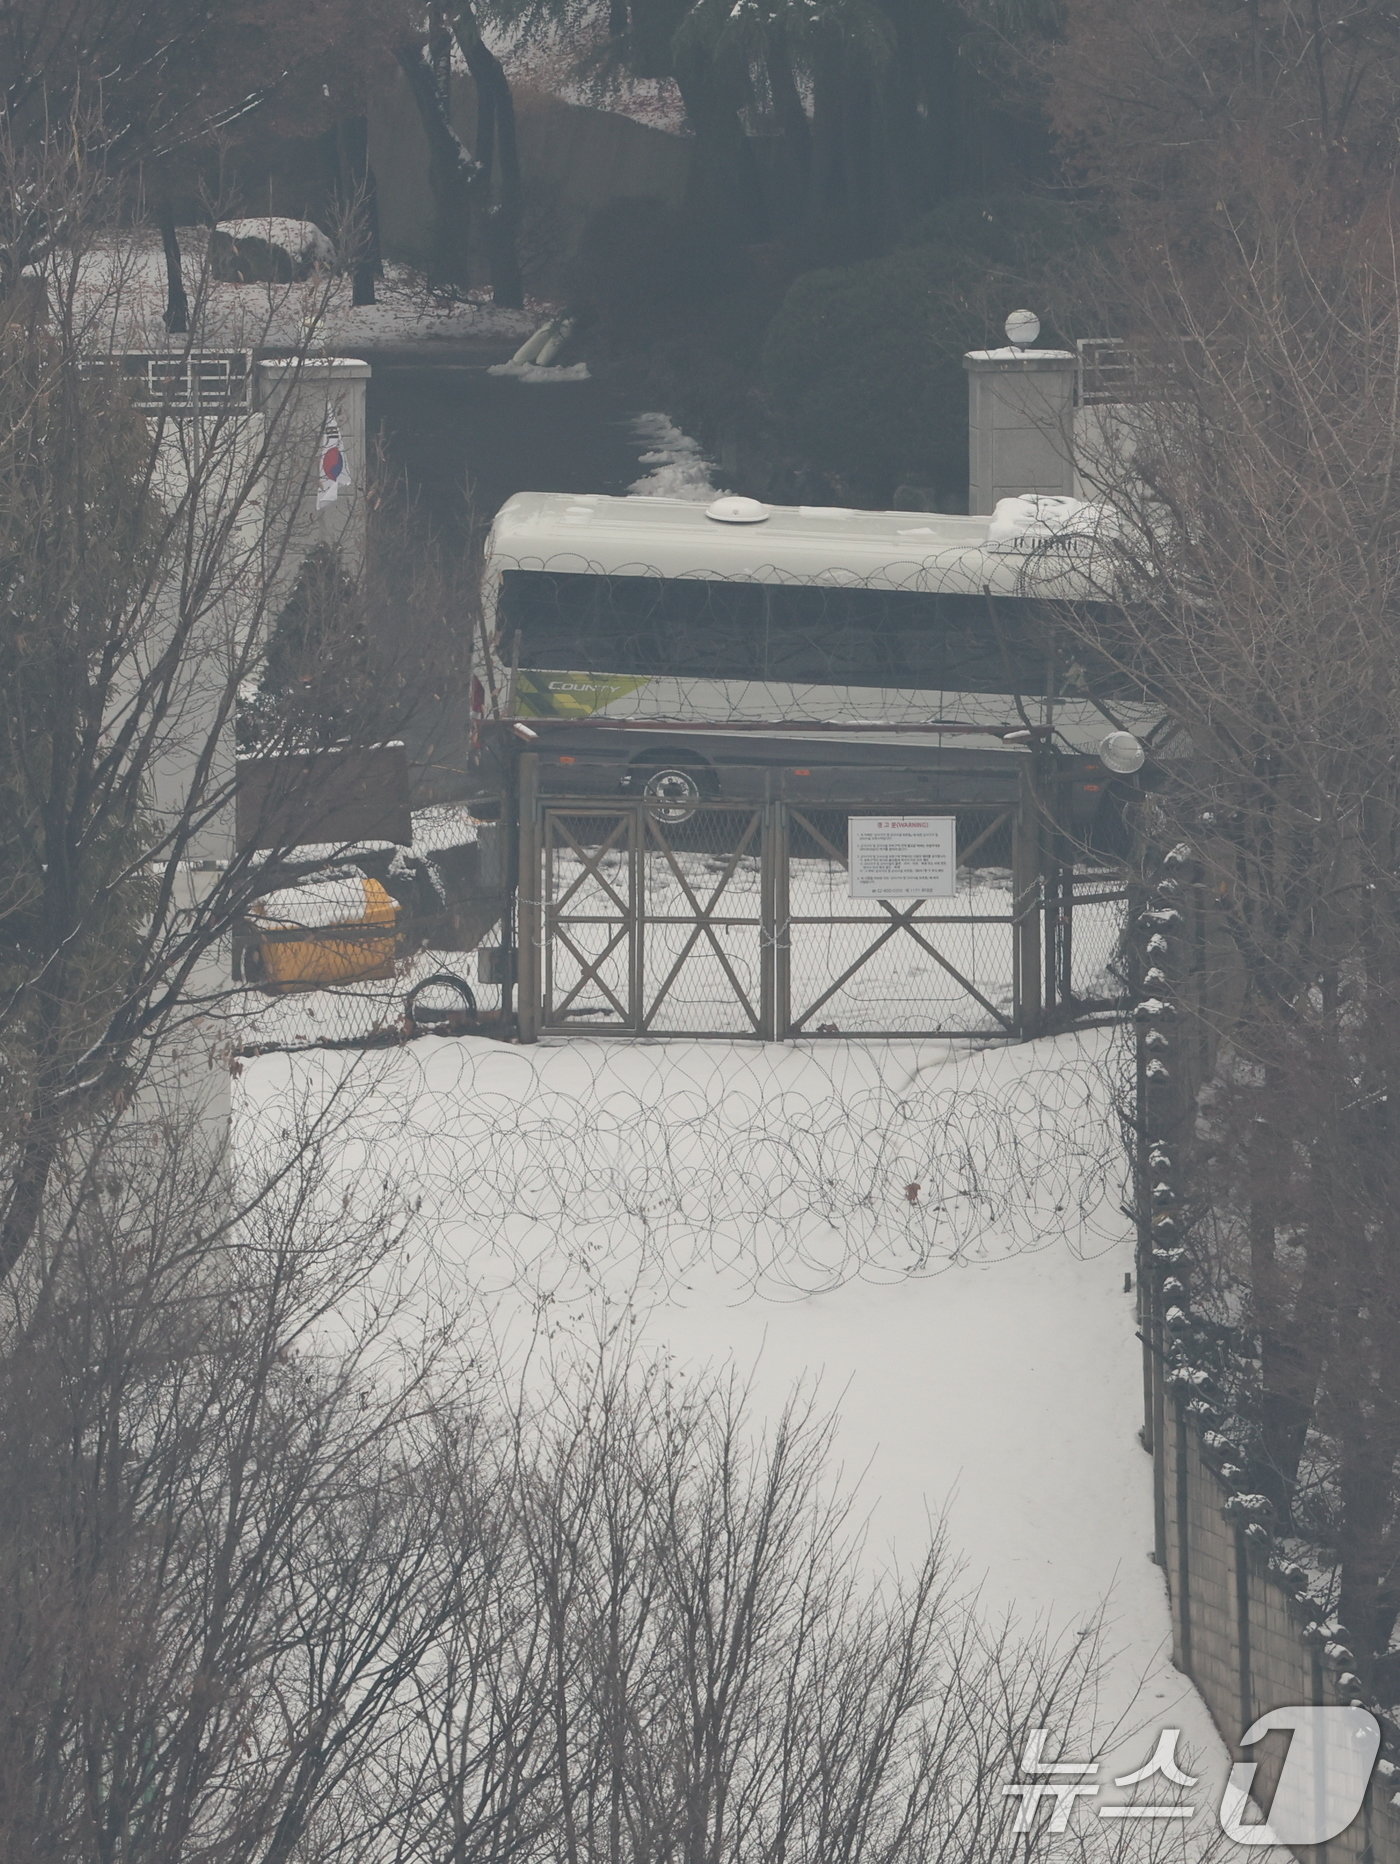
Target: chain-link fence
[
  {"x": 747, "y": 920},
  {"x": 645, "y": 917}
]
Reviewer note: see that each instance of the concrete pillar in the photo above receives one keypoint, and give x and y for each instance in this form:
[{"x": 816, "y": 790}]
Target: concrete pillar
[
  {"x": 293, "y": 395},
  {"x": 1020, "y": 424},
  {"x": 187, "y": 1079}
]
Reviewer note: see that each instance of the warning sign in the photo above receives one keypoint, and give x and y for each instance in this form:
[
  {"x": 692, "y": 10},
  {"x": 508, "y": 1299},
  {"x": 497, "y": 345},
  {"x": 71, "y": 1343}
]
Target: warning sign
[{"x": 903, "y": 857}]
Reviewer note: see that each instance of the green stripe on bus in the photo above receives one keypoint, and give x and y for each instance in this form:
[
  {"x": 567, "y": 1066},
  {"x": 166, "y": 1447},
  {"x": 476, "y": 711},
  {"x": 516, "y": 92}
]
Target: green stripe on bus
[{"x": 571, "y": 695}]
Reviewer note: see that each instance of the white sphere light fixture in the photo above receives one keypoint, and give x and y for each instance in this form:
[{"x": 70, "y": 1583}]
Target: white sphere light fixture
[
  {"x": 737, "y": 511},
  {"x": 1022, "y": 327},
  {"x": 1122, "y": 753}
]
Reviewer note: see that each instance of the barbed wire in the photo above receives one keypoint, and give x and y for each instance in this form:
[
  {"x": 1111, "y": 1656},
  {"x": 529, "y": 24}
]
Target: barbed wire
[{"x": 641, "y": 1172}]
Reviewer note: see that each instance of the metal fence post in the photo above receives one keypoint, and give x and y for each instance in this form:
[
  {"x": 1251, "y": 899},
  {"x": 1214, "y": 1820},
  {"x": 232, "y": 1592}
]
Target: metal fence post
[
  {"x": 1027, "y": 907},
  {"x": 773, "y": 932},
  {"x": 1242, "y": 1627},
  {"x": 529, "y": 903},
  {"x": 638, "y": 854},
  {"x": 1182, "y": 1471}
]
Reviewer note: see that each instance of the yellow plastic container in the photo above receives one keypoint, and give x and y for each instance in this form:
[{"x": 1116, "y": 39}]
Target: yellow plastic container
[{"x": 312, "y": 949}]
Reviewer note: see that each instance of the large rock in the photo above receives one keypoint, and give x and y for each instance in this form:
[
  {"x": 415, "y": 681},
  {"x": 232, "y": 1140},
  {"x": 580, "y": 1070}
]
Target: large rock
[{"x": 271, "y": 251}]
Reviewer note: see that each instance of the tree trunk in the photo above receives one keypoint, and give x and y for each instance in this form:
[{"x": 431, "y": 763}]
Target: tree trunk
[
  {"x": 496, "y": 136},
  {"x": 369, "y": 267},
  {"x": 358, "y": 206},
  {"x": 791, "y": 116},
  {"x": 440, "y": 54},
  {"x": 858, "y": 113},
  {"x": 177, "y": 305},
  {"x": 1287, "y": 1379},
  {"x": 827, "y": 201},
  {"x": 452, "y": 172},
  {"x": 724, "y": 189},
  {"x": 1366, "y": 1453}
]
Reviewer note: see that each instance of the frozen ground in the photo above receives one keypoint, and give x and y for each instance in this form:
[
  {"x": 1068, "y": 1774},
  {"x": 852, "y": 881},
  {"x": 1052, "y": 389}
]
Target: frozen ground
[
  {"x": 931, "y": 1231},
  {"x": 121, "y": 300}
]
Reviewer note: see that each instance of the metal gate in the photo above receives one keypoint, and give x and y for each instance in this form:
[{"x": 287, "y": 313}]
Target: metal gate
[
  {"x": 953, "y": 967},
  {"x": 736, "y": 919},
  {"x": 641, "y": 927}
]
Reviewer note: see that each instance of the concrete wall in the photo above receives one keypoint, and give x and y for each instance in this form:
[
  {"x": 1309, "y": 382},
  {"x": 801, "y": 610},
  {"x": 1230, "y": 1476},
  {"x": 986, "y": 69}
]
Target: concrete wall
[
  {"x": 1029, "y": 430},
  {"x": 1241, "y": 1635},
  {"x": 1244, "y": 1627},
  {"x": 185, "y": 1078},
  {"x": 1105, "y": 440},
  {"x": 1020, "y": 424}
]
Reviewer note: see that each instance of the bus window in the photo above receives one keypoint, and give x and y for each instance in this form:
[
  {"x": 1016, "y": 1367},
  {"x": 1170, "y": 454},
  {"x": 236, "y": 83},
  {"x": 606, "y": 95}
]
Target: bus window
[
  {"x": 808, "y": 634},
  {"x": 712, "y": 629}
]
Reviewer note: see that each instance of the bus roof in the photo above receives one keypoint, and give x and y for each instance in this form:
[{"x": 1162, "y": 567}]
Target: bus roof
[{"x": 925, "y": 552}]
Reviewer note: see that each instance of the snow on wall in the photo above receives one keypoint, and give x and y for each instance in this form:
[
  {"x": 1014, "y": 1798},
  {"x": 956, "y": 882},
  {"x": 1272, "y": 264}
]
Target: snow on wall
[{"x": 1239, "y": 1630}]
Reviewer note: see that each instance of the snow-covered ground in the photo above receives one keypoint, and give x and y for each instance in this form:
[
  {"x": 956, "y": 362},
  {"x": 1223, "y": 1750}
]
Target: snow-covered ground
[
  {"x": 930, "y": 1230},
  {"x": 121, "y": 298}
]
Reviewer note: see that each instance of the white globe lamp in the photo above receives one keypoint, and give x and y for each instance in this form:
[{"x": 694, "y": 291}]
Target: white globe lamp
[
  {"x": 1022, "y": 328},
  {"x": 1122, "y": 753}
]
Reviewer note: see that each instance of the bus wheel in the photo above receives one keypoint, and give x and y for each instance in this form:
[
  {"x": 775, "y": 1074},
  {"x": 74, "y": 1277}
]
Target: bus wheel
[{"x": 676, "y": 789}]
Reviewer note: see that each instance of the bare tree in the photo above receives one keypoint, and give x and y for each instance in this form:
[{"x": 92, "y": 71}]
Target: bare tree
[
  {"x": 1254, "y": 486},
  {"x": 678, "y": 1652},
  {"x": 143, "y": 555},
  {"x": 230, "y": 1536},
  {"x": 290, "y": 1575}
]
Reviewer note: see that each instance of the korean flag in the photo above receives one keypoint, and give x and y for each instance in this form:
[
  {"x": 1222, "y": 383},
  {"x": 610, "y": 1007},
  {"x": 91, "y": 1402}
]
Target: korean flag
[{"x": 335, "y": 474}]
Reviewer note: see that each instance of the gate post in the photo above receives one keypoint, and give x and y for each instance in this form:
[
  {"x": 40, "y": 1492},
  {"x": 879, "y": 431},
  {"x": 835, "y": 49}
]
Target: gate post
[
  {"x": 529, "y": 903},
  {"x": 775, "y": 956},
  {"x": 638, "y": 854},
  {"x": 1026, "y": 906}
]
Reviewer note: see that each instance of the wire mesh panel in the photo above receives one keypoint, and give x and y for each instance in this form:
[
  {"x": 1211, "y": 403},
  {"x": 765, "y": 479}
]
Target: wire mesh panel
[
  {"x": 903, "y": 966},
  {"x": 1086, "y": 924},
  {"x": 653, "y": 919},
  {"x": 591, "y": 900},
  {"x": 706, "y": 888},
  {"x": 738, "y": 919}
]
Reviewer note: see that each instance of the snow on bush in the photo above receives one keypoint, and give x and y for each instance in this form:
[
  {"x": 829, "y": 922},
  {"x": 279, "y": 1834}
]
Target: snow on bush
[
  {"x": 272, "y": 250},
  {"x": 678, "y": 468}
]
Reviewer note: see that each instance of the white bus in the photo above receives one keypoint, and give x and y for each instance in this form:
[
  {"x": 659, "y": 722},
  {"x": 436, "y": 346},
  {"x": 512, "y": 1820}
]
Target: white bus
[{"x": 678, "y": 637}]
